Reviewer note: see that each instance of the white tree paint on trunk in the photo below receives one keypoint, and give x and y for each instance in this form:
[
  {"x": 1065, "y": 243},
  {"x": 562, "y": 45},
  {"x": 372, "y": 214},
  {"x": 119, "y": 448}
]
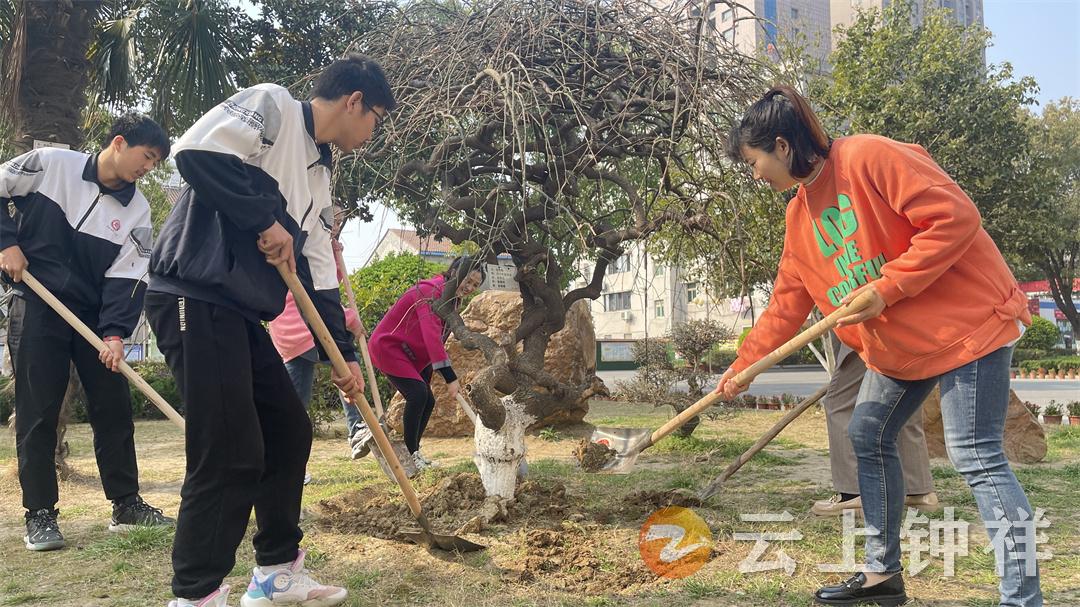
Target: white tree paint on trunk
[{"x": 500, "y": 455}]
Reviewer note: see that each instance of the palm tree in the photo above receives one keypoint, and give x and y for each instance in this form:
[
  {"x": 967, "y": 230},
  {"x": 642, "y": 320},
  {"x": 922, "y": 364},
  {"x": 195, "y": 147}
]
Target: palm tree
[{"x": 177, "y": 58}]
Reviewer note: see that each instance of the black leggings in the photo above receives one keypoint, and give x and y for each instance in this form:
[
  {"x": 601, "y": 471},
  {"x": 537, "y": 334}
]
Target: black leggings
[{"x": 419, "y": 403}]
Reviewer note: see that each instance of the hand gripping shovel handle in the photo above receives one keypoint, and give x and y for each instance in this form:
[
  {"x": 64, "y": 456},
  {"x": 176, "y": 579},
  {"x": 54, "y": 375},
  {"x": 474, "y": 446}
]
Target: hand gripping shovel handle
[
  {"x": 747, "y": 375},
  {"x": 96, "y": 341},
  {"x": 372, "y": 382},
  {"x": 315, "y": 321}
]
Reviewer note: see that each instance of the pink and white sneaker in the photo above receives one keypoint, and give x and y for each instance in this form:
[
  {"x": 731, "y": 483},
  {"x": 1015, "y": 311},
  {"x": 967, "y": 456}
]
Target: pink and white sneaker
[
  {"x": 217, "y": 598},
  {"x": 289, "y": 585}
]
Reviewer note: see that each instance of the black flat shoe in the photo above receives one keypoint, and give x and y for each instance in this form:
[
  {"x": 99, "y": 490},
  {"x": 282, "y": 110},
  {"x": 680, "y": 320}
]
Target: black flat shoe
[{"x": 889, "y": 593}]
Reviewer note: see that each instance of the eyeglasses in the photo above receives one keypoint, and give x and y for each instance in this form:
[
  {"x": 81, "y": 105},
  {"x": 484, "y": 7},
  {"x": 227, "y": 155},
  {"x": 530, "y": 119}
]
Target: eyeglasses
[{"x": 379, "y": 118}]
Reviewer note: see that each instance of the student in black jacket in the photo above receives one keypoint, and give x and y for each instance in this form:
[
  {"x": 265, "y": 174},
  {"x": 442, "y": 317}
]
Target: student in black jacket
[
  {"x": 83, "y": 229},
  {"x": 258, "y": 174}
]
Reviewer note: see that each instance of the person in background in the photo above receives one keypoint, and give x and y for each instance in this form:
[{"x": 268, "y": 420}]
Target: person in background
[
  {"x": 407, "y": 346},
  {"x": 83, "y": 229}
]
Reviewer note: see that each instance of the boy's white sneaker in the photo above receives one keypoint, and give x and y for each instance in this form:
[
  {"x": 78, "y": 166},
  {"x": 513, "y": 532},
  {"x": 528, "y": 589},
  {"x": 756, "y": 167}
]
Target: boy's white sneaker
[{"x": 289, "y": 585}]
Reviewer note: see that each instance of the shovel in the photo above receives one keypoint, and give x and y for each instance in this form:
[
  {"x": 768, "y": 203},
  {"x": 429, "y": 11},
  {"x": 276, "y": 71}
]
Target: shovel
[
  {"x": 90, "y": 336},
  {"x": 628, "y": 443},
  {"x": 399, "y": 447},
  {"x": 426, "y": 536}
]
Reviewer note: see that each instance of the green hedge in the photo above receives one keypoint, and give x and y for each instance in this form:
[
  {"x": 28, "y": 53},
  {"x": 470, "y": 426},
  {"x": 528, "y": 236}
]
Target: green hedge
[{"x": 1061, "y": 363}]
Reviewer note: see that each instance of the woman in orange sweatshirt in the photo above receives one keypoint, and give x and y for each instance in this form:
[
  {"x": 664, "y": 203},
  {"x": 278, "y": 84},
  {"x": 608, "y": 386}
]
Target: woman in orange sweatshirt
[{"x": 879, "y": 216}]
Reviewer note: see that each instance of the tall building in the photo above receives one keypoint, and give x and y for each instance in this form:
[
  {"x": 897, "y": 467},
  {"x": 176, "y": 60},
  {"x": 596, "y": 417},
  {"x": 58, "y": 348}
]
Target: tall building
[
  {"x": 965, "y": 12},
  {"x": 764, "y": 26}
]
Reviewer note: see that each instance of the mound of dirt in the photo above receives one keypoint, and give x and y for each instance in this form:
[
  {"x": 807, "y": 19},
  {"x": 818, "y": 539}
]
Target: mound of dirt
[
  {"x": 572, "y": 559},
  {"x": 456, "y": 503},
  {"x": 593, "y": 456}
]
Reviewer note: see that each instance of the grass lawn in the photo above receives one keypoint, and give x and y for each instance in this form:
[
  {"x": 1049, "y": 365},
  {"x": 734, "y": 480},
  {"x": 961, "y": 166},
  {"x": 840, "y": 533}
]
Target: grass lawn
[{"x": 590, "y": 554}]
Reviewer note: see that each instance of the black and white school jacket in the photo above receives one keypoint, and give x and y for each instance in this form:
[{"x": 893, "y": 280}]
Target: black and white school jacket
[
  {"x": 249, "y": 162},
  {"x": 87, "y": 244}
]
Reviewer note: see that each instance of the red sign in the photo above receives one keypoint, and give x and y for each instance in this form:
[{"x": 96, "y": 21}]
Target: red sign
[{"x": 1033, "y": 306}]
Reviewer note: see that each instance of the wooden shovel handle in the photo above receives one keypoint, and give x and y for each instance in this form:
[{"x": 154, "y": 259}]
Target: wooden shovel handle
[
  {"x": 99, "y": 345},
  {"x": 372, "y": 382},
  {"x": 747, "y": 375},
  {"x": 311, "y": 315}
]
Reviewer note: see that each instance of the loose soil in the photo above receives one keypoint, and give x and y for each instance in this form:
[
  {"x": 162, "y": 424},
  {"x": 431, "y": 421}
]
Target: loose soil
[{"x": 593, "y": 456}]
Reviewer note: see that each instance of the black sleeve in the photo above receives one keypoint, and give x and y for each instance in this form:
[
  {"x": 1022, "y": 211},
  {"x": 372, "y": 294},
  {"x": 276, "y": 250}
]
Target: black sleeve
[
  {"x": 448, "y": 373},
  {"x": 123, "y": 303},
  {"x": 223, "y": 182}
]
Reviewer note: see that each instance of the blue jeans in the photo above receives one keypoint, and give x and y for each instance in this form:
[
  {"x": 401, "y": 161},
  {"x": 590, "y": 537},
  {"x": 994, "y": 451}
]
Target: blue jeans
[
  {"x": 302, "y": 372},
  {"x": 974, "y": 401}
]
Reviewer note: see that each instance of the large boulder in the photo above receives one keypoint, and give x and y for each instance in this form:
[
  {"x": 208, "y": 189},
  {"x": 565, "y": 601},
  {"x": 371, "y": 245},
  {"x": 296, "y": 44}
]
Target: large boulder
[
  {"x": 1025, "y": 441},
  {"x": 570, "y": 357}
]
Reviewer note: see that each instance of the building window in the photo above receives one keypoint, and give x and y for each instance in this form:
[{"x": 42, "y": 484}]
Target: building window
[
  {"x": 613, "y": 302},
  {"x": 658, "y": 270},
  {"x": 659, "y": 308},
  {"x": 621, "y": 264},
  {"x": 691, "y": 291},
  {"x": 794, "y": 13},
  {"x": 726, "y": 16},
  {"x": 729, "y": 34}
]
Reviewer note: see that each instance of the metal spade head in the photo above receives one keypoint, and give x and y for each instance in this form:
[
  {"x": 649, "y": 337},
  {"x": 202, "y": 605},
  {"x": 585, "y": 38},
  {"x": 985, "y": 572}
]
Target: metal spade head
[
  {"x": 627, "y": 444},
  {"x": 450, "y": 543}
]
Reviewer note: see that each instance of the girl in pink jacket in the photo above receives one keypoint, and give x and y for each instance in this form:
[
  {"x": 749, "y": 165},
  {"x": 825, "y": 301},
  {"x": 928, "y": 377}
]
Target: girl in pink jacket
[{"x": 407, "y": 346}]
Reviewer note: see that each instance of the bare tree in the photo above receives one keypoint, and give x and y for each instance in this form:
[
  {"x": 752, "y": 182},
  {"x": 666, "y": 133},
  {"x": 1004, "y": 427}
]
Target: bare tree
[{"x": 554, "y": 131}]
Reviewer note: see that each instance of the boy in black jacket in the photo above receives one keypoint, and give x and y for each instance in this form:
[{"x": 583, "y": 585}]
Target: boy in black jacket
[
  {"x": 258, "y": 174},
  {"x": 84, "y": 231}
]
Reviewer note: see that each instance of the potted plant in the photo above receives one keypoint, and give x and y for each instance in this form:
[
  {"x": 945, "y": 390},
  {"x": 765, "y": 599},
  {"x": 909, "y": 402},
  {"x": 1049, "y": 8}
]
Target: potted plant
[
  {"x": 768, "y": 404},
  {"x": 1033, "y": 408},
  {"x": 1052, "y": 413},
  {"x": 1074, "y": 413},
  {"x": 1041, "y": 374}
]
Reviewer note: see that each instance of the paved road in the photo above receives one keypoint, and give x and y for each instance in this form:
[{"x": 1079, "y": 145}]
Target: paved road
[{"x": 804, "y": 381}]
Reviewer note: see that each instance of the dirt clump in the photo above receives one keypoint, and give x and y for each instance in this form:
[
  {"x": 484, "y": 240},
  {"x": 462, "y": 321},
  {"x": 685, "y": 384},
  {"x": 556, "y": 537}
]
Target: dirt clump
[
  {"x": 574, "y": 559},
  {"x": 593, "y": 456},
  {"x": 455, "y": 503}
]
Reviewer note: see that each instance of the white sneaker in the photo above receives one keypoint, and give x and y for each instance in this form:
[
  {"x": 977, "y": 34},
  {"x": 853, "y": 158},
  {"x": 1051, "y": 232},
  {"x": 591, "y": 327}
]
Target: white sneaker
[
  {"x": 289, "y": 585},
  {"x": 430, "y": 463},
  {"x": 307, "y": 478},
  {"x": 360, "y": 443},
  {"x": 217, "y": 598},
  {"x": 419, "y": 462}
]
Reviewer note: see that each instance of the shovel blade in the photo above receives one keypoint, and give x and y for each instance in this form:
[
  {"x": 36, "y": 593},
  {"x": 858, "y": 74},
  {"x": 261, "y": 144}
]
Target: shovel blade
[
  {"x": 449, "y": 543},
  {"x": 625, "y": 442}
]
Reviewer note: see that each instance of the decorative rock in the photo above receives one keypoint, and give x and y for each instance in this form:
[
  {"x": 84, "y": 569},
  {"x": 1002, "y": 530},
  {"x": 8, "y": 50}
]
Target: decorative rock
[
  {"x": 570, "y": 357},
  {"x": 1025, "y": 441}
]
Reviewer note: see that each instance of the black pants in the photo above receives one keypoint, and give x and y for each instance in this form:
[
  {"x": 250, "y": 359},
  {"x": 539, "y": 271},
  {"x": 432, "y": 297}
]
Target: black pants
[
  {"x": 248, "y": 440},
  {"x": 419, "y": 403},
  {"x": 43, "y": 346}
]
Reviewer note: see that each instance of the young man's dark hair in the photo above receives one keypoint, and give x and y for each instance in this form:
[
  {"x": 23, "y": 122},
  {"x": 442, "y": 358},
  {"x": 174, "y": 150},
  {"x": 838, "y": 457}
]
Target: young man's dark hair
[
  {"x": 352, "y": 73},
  {"x": 137, "y": 129}
]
